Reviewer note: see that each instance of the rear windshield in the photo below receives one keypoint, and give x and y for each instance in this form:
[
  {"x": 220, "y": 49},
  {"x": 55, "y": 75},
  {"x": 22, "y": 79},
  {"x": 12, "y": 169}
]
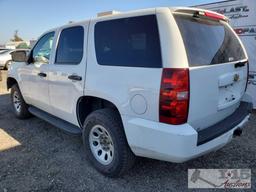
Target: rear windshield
[{"x": 208, "y": 42}]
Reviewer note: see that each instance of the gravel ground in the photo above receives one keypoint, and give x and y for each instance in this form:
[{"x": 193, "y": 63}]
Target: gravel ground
[{"x": 43, "y": 158}]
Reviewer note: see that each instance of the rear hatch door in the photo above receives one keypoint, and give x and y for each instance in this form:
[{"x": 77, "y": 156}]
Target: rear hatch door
[{"x": 218, "y": 68}]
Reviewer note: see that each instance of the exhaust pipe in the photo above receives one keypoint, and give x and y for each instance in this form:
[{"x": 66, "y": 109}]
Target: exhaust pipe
[{"x": 238, "y": 132}]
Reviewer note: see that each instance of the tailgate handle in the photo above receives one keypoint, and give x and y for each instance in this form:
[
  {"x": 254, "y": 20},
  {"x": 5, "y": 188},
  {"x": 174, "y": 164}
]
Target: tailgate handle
[
  {"x": 240, "y": 64},
  {"x": 228, "y": 79}
]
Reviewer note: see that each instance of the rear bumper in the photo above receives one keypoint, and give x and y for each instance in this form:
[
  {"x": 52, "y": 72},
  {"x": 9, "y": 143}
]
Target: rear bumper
[
  {"x": 174, "y": 143},
  {"x": 225, "y": 125}
]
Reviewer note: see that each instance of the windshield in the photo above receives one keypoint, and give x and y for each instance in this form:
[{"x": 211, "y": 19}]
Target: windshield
[{"x": 209, "y": 42}]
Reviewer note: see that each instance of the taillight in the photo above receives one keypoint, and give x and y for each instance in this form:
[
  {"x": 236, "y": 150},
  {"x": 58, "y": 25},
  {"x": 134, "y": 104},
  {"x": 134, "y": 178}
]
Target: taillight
[
  {"x": 174, "y": 96},
  {"x": 212, "y": 15}
]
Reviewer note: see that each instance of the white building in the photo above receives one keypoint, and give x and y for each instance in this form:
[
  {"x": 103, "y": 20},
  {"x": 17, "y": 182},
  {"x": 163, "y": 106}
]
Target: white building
[{"x": 13, "y": 45}]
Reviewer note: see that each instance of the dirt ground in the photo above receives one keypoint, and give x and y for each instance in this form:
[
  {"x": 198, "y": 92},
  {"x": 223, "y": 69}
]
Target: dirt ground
[{"x": 35, "y": 156}]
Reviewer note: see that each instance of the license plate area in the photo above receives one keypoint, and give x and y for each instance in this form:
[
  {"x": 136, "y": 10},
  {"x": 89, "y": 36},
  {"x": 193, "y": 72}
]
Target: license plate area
[{"x": 230, "y": 89}]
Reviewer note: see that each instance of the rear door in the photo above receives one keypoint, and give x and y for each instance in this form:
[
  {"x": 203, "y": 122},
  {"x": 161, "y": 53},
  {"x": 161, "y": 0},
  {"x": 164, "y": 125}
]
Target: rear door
[
  {"x": 67, "y": 74},
  {"x": 218, "y": 68}
]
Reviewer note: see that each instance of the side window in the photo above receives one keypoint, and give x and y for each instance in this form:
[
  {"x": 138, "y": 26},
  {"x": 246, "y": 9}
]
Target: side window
[
  {"x": 70, "y": 47},
  {"x": 42, "y": 50},
  {"x": 131, "y": 42}
]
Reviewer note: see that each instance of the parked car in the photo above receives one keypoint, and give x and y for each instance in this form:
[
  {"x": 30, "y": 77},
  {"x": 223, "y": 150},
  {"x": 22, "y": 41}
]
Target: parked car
[
  {"x": 3, "y": 49},
  {"x": 162, "y": 83},
  {"x": 6, "y": 58}
]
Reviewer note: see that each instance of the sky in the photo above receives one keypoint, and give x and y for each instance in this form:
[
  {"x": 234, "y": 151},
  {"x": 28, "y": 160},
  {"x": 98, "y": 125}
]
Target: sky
[{"x": 33, "y": 17}]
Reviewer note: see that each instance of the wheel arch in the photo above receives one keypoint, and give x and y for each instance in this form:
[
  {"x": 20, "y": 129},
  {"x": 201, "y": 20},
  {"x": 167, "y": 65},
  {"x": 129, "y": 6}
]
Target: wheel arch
[
  {"x": 87, "y": 104},
  {"x": 10, "y": 82}
]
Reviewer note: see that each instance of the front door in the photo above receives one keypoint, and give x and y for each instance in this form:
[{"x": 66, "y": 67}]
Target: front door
[{"x": 34, "y": 75}]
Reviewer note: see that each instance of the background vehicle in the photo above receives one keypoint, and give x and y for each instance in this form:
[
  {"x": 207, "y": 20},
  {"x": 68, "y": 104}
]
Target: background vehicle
[
  {"x": 162, "y": 83},
  {"x": 6, "y": 58},
  {"x": 3, "y": 49}
]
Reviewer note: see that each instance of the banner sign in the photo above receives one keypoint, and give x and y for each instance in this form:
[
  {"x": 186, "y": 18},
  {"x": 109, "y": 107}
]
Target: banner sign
[{"x": 242, "y": 15}]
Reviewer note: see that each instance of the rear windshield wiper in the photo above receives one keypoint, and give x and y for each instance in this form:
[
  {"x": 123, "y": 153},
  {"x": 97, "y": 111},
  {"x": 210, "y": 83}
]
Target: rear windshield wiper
[{"x": 240, "y": 64}]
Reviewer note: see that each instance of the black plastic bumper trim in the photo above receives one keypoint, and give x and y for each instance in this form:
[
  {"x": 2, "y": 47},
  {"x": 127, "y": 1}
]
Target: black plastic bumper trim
[{"x": 225, "y": 125}]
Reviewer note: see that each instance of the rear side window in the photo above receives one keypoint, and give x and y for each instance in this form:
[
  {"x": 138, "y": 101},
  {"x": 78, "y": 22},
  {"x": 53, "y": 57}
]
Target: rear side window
[
  {"x": 209, "y": 42},
  {"x": 70, "y": 47},
  {"x": 131, "y": 42}
]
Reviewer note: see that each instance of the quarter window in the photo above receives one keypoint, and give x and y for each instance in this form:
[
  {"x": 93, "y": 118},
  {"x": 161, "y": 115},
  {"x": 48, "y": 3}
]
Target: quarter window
[
  {"x": 131, "y": 42},
  {"x": 70, "y": 47}
]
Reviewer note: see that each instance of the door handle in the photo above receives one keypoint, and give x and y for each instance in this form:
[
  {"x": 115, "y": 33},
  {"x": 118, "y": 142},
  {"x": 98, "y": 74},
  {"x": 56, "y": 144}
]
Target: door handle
[
  {"x": 42, "y": 74},
  {"x": 75, "y": 77}
]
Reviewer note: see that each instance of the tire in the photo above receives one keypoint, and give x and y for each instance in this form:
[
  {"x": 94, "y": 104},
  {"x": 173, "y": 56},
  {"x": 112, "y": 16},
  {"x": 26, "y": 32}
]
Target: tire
[
  {"x": 7, "y": 64},
  {"x": 110, "y": 123},
  {"x": 19, "y": 106}
]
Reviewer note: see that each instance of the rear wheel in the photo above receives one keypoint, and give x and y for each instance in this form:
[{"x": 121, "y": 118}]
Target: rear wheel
[
  {"x": 20, "y": 107},
  {"x": 105, "y": 143}
]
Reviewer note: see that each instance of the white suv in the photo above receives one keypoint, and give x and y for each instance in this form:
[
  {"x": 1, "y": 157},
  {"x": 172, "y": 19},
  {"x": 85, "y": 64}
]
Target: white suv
[{"x": 162, "y": 83}]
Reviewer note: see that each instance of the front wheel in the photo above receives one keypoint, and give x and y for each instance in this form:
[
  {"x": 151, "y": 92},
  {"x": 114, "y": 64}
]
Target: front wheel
[
  {"x": 20, "y": 107},
  {"x": 105, "y": 143}
]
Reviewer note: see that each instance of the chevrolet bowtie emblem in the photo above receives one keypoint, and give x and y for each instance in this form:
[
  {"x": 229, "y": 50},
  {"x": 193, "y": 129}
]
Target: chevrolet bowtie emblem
[{"x": 236, "y": 77}]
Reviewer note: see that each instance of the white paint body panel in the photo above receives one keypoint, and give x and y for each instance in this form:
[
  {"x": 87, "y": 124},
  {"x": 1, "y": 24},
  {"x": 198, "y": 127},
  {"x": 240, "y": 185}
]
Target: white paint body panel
[
  {"x": 211, "y": 94},
  {"x": 35, "y": 88},
  {"x": 170, "y": 143},
  {"x": 63, "y": 92},
  {"x": 120, "y": 85}
]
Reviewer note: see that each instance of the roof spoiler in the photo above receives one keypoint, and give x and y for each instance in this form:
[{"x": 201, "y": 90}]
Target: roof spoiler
[{"x": 203, "y": 13}]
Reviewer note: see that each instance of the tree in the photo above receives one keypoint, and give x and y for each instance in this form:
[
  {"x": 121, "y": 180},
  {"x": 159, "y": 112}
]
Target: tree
[
  {"x": 16, "y": 37},
  {"x": 22, "y": 46}
]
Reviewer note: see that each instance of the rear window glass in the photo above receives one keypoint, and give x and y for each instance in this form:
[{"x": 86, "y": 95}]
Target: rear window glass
[
  {"x": 132, "y": 42},
  {"x": 208, "y": 42}
]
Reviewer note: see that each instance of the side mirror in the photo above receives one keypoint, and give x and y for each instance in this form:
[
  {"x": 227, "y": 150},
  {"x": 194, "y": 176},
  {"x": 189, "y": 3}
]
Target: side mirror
[{"x": 19, "y": 56}]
